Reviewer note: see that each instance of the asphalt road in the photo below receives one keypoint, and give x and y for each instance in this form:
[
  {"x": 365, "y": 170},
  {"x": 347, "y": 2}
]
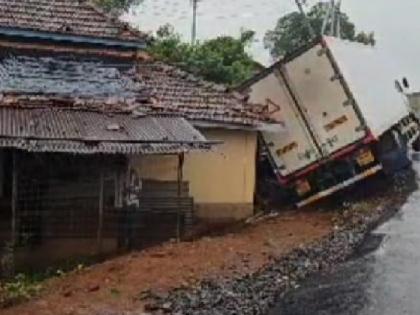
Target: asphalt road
[{"x": 383, "y": 279}]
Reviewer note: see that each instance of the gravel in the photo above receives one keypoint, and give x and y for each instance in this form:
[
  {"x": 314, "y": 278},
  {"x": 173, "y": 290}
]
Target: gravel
[{"x": 257, "y": 293}]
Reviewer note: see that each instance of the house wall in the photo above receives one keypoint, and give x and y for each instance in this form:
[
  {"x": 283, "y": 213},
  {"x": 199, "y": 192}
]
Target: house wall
[{"x": 222, "y": 182}]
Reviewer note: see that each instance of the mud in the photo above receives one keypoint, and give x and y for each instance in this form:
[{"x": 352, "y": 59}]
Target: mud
[{"x": 257, "y": 293}]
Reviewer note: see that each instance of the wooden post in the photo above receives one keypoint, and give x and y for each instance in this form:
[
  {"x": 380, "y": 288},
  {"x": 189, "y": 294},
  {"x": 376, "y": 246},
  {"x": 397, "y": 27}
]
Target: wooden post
[
  {"x": 9, "y": 266},
  {"x": 100, "y": 210},
  {"x": 179, "y": 182},
  {"x": 14, "y": 197}
]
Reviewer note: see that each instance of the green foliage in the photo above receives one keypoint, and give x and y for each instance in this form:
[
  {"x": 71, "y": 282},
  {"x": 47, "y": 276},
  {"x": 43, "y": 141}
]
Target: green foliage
[
  {"x": 291, "y": 32},
  {"x": 25, "y": 286},
  {"x": 117, "y": 5},
  {"x": 222, "y": 60},
  {"x": 21, "y": 288}
]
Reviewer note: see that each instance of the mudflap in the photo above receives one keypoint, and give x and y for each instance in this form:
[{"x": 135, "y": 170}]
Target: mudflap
[
  {"x": 416, "y": 144},
  {"x": 393, "y": 153},
  {"x": 394, "y": 162}
]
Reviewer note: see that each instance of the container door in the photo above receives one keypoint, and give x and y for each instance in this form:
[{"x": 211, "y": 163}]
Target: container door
[
  {"x": 324, "y": 101},
  {"x": 292, "y": 149}
]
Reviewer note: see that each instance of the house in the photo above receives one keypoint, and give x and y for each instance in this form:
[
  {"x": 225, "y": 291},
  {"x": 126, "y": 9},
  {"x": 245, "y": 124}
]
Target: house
[
  {"x": 69, "y": 127},
  {"x": 222, "y": 182},
  {"x": 80, "y": 104}
]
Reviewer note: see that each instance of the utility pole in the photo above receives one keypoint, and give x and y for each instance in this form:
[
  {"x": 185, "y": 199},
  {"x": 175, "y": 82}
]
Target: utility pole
[
  {"x": 338, "y": 26},
  {"x": 333, "y": 15},
  {"x": 326, "y": 19},
  {"x": 302, "y": 11},
  {"x": 194, "y": 23}
]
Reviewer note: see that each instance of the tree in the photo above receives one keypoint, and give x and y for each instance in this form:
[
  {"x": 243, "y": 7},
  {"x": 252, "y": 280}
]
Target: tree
[
  {"x": 222, "y": 60},
  {"x": 116, "y": 6},
  {"x": 292, "y": 33}
]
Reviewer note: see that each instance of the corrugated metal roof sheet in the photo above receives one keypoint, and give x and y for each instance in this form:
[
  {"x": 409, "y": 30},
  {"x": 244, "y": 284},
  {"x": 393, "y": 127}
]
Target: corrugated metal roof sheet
[
  {"x": 77, "y": 147},
  {"x": 57, "y": 130}
]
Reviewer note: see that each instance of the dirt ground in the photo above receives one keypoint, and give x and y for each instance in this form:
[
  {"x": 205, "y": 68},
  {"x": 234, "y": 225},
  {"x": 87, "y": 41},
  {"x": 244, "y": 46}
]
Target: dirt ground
[{"x": 119, "y": 284}]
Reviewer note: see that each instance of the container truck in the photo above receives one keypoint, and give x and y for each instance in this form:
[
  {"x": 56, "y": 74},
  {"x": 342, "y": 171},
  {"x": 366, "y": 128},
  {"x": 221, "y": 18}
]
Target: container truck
[{"x": 345, "y": 117}]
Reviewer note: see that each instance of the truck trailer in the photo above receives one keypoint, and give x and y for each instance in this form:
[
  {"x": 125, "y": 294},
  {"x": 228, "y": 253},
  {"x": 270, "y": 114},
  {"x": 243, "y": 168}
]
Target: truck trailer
[{"x": 344, "y": 114}]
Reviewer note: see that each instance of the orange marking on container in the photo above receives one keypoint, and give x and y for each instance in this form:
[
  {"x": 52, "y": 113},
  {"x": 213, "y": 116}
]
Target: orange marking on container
[
  {"x": 287, "y": 148},
  {"x": 335, "y": 123}
]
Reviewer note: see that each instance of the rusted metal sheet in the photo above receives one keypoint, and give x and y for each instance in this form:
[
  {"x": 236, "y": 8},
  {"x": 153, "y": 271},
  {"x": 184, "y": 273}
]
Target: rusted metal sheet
[{"x": 51, "y": 130}]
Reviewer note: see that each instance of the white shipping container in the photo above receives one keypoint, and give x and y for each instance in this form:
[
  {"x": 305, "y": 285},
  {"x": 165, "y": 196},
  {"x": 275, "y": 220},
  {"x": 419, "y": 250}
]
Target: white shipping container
[
  {"x": 371, "y": 75},
  {"x": 323, "y": 99},
  {"x": 292, "y": 149},
  {"x": 334, "y": 94},
  {"x": 345, "y": 116}
]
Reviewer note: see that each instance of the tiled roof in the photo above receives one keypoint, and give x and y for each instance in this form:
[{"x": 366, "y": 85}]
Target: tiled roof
[
  {"x": 176, "y": 91},
  {"x": 69, "y": 75},
  {"x": 35, "y": 79},
  {"x": 70, "y": 131},
  {"x": 74, "y": 17}
]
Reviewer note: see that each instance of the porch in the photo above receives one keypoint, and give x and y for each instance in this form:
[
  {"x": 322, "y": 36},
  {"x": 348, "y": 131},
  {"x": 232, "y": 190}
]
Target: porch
[{"x": 62, "y": 175}]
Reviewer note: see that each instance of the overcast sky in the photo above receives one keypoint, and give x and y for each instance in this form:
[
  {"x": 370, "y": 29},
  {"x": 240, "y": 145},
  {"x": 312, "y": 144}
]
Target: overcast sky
[{"x": 396, "y": 23}]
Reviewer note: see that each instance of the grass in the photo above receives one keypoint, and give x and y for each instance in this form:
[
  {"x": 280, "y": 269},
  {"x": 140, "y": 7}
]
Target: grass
[
  {"x": 19, "y": 289},
  {"x": 25, "y": 286}
]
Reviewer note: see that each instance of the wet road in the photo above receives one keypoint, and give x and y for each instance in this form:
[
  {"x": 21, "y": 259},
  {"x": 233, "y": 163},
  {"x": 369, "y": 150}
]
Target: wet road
[{"x": 384, "y": 279}]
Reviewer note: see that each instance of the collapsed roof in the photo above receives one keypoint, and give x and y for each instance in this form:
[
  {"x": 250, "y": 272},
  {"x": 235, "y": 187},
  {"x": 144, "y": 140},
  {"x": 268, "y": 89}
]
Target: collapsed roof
[
  {"x": 87, "y": 82},
  {"x": 60, "y": 102},
  {"x": 50, "y": 93}
]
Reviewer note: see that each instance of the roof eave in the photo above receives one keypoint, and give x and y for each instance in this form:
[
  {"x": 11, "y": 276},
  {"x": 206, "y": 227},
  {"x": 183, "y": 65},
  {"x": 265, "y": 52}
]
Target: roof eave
[
  {"x": 256, "y": 127},
  {"x": 11, "y": 32}
]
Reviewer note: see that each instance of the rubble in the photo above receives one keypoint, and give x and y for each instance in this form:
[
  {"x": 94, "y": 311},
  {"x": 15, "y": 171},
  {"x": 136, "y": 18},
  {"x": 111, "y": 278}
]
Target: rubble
[{"x": 257, "y": 293}]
